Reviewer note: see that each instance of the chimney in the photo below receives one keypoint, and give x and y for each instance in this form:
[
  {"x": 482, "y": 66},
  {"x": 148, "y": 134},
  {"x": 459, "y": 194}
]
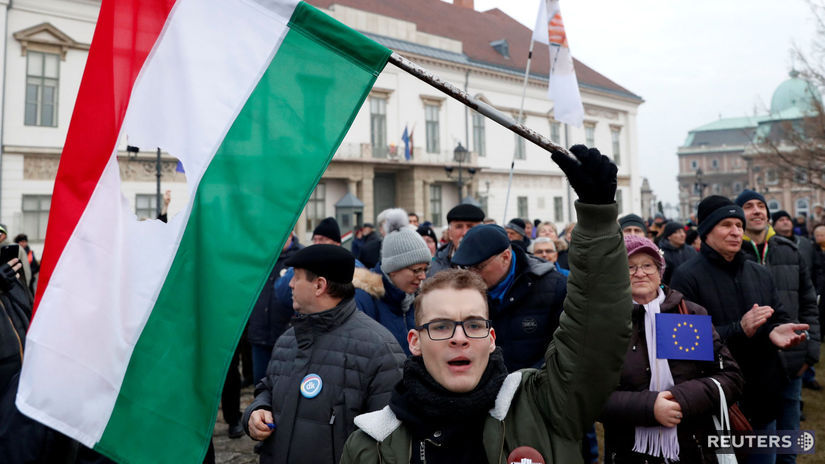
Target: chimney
[{"x": 464, "y": 4}]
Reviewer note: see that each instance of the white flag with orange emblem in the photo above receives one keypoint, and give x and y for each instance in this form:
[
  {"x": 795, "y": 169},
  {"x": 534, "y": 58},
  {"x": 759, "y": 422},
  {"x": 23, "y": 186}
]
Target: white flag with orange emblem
[{"x": 563, "y": 88}]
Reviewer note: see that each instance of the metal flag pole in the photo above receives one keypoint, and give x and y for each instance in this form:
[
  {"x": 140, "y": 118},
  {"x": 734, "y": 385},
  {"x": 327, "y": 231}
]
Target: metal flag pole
[
  {"x": 520, "y": 114},
  {"x": 477, "y": 105}
]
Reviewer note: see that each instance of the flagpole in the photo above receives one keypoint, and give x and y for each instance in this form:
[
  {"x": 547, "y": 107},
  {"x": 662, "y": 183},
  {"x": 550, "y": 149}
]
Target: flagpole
[
  {"x": 520, "y": 113},
  {"x": 477, "y": 105}
]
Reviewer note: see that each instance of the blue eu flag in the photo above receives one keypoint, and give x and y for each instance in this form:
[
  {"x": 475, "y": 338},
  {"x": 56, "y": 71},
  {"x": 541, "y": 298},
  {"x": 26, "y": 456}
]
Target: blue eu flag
[{"x": 684, "y": 336}]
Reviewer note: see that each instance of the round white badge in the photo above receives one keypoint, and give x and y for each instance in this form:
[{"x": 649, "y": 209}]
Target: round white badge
[{"x": 311, "y": 386}]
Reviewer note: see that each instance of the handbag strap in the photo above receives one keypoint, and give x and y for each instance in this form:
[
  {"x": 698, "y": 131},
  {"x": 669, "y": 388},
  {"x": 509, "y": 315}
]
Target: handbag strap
[
  {"x": 682, "y": 307},
  {"x": 723, "y": 407}
]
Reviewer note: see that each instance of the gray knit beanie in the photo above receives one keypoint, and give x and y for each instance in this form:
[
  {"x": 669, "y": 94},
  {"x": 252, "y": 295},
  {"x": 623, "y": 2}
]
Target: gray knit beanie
[{"x": 403, "y": 247}]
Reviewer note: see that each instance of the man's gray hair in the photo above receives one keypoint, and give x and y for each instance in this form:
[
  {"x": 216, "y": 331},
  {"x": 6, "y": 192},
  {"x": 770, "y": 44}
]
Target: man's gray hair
[{"x": 541, "y": 240}]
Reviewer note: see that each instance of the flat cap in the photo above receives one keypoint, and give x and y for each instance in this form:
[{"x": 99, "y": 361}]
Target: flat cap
[
  {"x": 465, "y": 212},
  {"x": 480, "y": 243},
  {"x": 330, "y": 261}
]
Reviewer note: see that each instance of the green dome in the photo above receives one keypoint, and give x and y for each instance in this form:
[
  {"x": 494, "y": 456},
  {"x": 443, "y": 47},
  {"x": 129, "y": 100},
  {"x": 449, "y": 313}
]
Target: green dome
[{"x": 794, "y": 93}]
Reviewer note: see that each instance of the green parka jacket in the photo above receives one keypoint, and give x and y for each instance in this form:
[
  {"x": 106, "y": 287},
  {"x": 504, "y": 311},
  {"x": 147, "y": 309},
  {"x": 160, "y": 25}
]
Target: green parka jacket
[{"x": 545, "y": 409}]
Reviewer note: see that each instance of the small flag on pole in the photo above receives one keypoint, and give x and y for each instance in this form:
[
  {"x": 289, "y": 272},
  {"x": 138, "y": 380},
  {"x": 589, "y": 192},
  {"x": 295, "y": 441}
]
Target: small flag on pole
[
  {"x": 563, "y": 88},
  {"x": 684, "y": 336},
  {"x": 407, "y": 149}
]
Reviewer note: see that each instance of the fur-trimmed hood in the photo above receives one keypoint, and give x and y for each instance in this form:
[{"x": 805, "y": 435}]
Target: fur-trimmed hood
[{"x": 369, "y": 282}]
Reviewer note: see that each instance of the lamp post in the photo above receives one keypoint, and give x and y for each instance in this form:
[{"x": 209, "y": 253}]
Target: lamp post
[
  {"x": 132, "y": 152},
  {"x": 699, "y": 186},
  {"x": 460, "y": 155}
]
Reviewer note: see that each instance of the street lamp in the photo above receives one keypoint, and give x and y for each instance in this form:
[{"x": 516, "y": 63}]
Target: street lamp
[
  {"x": 699, "y": 186},
  {"x": 460, "y": 155},
  {"x": 132, "y": 152}
]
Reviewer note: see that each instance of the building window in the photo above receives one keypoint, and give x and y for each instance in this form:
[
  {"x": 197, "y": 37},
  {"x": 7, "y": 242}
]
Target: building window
[
  {"x": 36, "y": 216},
  {"x": 714, "y": 164},
  {"x": 555, "y": 132},
  {"x": 520, "y": 149},
  {"x": 316, "y": 207},
  {"x": 716, "y": 189},
  {"x": 42, "y": 73},
  {"x": 802, "y": 207},
  {"x": 478, "y": 134},
  {"x": 146, "y": 206},
  {"x": 800, "y": 176},
  {"x": 620, "y": 201},
  {"x": 694, "y": 165},
  {"x": 615, "y": 137},
  {"x": 590, "y": 135},
  {"x": 771, "y": 177},
  {"x": 435, "y": 205},
  {"x": 737, "y": 188},
  {"x": 522, "y": 208},
  {"x": 774, "y": 205},
  {"x": 431, "y": 118},
  {"x": 558, "y": 209},
  {"x": 378, "y": 126}
]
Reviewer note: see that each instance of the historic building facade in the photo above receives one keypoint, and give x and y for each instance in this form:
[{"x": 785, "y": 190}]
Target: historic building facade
[
  {"x": 44, "y": 52},
  {"x": 726, "y": 156}
]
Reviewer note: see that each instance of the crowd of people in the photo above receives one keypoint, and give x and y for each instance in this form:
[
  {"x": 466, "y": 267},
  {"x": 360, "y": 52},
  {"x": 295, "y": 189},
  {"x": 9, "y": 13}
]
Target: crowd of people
[{"x": 491, "y": 343}]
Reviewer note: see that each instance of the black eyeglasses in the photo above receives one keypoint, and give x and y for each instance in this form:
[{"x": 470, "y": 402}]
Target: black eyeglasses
[{"x": 445, "y": 330}]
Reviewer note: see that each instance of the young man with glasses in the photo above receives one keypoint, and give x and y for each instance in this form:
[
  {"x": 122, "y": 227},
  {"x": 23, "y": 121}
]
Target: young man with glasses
[{"x": 456, "y": 402}]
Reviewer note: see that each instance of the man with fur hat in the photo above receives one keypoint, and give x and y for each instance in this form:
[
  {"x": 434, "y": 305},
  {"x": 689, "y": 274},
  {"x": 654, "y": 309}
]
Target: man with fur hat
[
  {"x": 676, "y": 251},
  {"x": 333, "y": 364},
  {"x": 460, "y": 219},
  {"x": 746, "y": 310},
  {"x": 386, "y": 294},
  {"x": 524, "y": 293},
  {"x": 793, "y": 284}
]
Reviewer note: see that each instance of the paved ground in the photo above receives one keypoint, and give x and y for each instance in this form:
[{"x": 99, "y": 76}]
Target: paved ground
[{"x": 239, "y": 450}]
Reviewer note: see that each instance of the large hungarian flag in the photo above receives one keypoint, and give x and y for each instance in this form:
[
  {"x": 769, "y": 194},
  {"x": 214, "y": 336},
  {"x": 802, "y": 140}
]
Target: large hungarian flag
[{"x": 136, "y": 322}]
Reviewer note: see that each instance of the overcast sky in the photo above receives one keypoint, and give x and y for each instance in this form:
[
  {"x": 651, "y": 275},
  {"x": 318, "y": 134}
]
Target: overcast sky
[{"x": 690, "y": 61}]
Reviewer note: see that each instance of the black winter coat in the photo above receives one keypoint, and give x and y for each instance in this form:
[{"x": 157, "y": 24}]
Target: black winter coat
[
  {"x": 370, "y": 252},
  {"x": 796, "y": 292},
  {"x": 528, "y": 314},
  {"x": 441, "y": 260},
  {"x": 674, "y": 257},
  {"x": 358, "y": 361},
  {"x": 631, "y": 404},
  {"x": 728, "y": 290},
  {"x": 265, "y": 324}
]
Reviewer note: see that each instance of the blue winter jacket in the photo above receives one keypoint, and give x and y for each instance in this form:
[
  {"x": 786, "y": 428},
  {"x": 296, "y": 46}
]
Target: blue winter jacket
[{"x": 380, "y": 299}]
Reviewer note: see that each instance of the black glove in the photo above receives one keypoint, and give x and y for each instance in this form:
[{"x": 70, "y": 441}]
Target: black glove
[
  {"x": 593, "y": 177},
  {"x": 7, "y": 277}
]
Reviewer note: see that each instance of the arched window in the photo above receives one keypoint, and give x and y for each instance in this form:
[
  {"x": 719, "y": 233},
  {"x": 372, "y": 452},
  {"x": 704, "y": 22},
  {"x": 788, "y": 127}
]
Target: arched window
[{"x": 774, "y": 205}]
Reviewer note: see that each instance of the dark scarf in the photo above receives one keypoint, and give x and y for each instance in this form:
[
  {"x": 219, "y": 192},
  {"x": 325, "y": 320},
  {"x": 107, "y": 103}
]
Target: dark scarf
[{"x": 447, "y": 426}]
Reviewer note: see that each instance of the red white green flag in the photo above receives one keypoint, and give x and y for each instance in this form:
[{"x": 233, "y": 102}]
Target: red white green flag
[{"x": 136, "y": 321}]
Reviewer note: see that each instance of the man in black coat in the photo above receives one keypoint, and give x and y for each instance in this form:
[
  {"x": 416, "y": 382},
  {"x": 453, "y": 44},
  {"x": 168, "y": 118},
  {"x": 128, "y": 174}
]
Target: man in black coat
[
  {"x": 792, "y": 281},
  {"x": 460, "y": 219},
  {"x": 783, "y": 225},
  {"x": 676, "y": 251},
  {"x": 333, "y": 364},
  {"x": 524, "y": 293},
  {"x": 745, "y": 308}
]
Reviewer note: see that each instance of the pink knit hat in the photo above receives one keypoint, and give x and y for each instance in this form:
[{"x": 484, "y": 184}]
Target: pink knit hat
[{"x": 636, "y": 244}]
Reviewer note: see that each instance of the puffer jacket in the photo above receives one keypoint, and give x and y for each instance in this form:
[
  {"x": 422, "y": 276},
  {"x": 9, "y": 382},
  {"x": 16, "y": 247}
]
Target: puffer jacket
[
  {"x": 795, "y": 288},
  {"x": 727, "y": 290},
  {"x": 631, "y": 405},
  {"x": 545, "y": 409},
  {"x": 674, "y": 257},
  {"x": 359, "y": 363},
  {"x": 379, "y": 299},
  {"x": 529, "y": 311}
]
